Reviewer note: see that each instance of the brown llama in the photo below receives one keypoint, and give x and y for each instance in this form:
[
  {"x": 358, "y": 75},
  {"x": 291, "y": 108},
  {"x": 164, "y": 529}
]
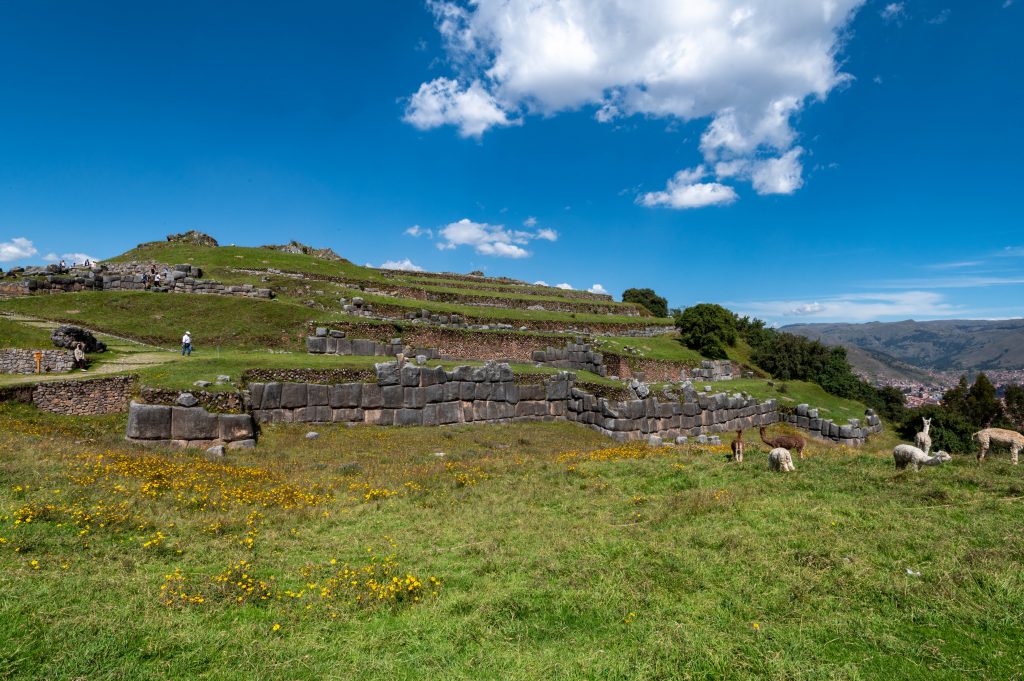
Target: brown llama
[
  {"x": 737, "y": 447},
  {"x": 785, "y": 441}
]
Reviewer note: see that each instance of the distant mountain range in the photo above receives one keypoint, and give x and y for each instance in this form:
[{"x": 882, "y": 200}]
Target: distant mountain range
[{"x": 907, "y": 349}]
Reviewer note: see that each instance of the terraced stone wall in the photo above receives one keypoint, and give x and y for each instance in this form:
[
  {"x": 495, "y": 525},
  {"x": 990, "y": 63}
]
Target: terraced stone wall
[
  {"x": 414, "y": 395},
  {"x": 20, "y": 361}
]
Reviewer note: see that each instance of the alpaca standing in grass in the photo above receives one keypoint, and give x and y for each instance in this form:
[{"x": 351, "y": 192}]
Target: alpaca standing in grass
[
  {"x": 779, "y": 459},
  {"x": 923, "y": 440},
  {"x": 785, "y": 442},
  {"x": 737, "y": 447},
  {"x": 909, "y": 455},
  {"x": 1001, "y": 436}
]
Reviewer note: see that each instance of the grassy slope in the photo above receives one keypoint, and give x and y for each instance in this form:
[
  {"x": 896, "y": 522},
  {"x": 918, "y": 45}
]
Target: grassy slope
[
  {"x": 678, "y": 565},
  {"x": 218, "y": 262},
  {"x": 16, "y": 335},
  {"x": 162, "y": 318}
]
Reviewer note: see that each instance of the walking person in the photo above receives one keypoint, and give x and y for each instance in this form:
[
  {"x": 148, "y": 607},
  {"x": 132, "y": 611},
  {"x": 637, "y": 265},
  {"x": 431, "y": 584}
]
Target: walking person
[{"x": 186, "y": 344}]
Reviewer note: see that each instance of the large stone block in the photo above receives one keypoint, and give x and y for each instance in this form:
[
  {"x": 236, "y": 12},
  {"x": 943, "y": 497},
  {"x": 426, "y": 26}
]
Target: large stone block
[
  {"x": 255, "y": 395},
  {"x": 316, "y": 345},
  {"x": 271, "y": 396},
  {"x": 434, "y": 393},
  {"x": 429, "y": 415},
  {"x": 345, "y": 395},
  {"x": 149, "y": 422},
  {"x": 451, "y": 391},
  {"x": 193, "y": 424},
  {"x": 372, "y": 397},
  {"x": 409, "y": 417},
  {"x": 388, "y": 373},
  {"x": 411, "y": 375},
  {"x": 332, "y": 345},
  {"x": 294, "y": 395},
  {"x": 363, "y": 347},
  {"x": 344, "y": 415},
  {"x": 379, "y": 417},
  {"x": 467, "y": 390},
  {"x": 432, "y": 376},
  {"x": 235, "y": 427},
  {"x": 318, "y": 395},
  {"x": 449, "y": 412},
  {"x": 414, "y": 398},
  {"x": 557, "y": 389},
  {"x": 392, "y": 396}
]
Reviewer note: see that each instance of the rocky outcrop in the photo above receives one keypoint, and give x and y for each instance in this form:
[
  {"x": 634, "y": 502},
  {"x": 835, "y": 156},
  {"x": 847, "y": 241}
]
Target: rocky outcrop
[
  {"x": 193, "y": 237},
  {"x": 301, "y": 248},
  {"x": 67, "y": 336}
]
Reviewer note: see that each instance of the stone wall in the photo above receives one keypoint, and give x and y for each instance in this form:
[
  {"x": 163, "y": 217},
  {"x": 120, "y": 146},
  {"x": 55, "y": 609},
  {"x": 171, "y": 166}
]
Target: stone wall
[
  {"x": 108, "y": 395},
  {"x": 332, "y": 342},
  {"x": 414, "y": 395},
  {"x": 180, "y": 426},
  {"x": 711, "y": 370},
  {"x": 575, "y": 356},
  {"x": 128, "y": 277},
  {"x": 806, "y": 418},
  {"x": 18, "y": 361},
  {"x": 651, "y": 370}
]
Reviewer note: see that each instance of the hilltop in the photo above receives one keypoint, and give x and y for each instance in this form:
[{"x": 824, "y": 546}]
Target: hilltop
[{"x": 898, "y": 348}]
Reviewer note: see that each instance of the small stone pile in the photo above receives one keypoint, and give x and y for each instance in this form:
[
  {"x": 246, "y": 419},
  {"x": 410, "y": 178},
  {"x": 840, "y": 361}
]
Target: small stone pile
[{"x": 67, "y": 336}]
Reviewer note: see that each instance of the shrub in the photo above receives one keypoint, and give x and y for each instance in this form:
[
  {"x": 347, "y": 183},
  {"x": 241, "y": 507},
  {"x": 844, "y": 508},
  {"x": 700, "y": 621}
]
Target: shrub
[
  {"x": 648, "y": 299},
  {"x": 708, "y": 329}
]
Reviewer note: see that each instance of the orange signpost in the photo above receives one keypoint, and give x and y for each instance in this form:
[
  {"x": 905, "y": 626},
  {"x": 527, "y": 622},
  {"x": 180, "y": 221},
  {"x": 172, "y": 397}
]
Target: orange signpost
[{"x": 39, "y": 361}]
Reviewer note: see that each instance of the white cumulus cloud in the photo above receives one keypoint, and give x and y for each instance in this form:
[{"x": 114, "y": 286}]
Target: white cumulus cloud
[
  {"x": 416, "y": 230},
  {"x": 747, "y": 66},
  {"x": 17, "y": 248},
  {"x": 444, "y": 102},
  {"x": 597, "y": 288},
  {"x": 686, "y": 190},
  {"x": 565, "y": 287},
  {"x": 487, "y": 239},
  {"x": 405, "y": 265},
  {"x": 540, "y": 282}
]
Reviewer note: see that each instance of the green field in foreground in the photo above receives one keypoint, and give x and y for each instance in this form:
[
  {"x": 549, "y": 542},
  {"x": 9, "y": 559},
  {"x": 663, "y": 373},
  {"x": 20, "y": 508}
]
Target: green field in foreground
[{"x": 556, "y": 555}]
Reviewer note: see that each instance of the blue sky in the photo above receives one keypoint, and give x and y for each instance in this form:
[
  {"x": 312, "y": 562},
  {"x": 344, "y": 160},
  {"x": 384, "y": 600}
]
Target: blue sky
[{"x": 813, "y": 160}]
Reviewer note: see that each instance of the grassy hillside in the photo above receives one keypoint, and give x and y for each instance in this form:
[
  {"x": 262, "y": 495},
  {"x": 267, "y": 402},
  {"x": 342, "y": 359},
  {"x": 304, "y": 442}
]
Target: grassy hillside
[
  {"x": 555, "y": 556},
  {"x": 16, "y": 335},
  {"x": 161, "y": 319}
]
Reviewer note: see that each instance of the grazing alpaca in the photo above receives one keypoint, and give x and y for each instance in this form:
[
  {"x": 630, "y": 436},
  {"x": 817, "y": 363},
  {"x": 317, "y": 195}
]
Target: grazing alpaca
[
  {"x": 923, "y": 440},
  {"x": 905, "y": 455},
  {"x": 986, "y": 437},
  {"x": 785, "y": 441},
  {"x": 779, "y": 459},
  {"x": 737, "y": 447}
]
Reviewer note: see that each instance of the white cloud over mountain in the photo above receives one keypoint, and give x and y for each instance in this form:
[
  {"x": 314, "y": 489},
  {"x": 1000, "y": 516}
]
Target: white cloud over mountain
[{"x": 749, "y": 66}]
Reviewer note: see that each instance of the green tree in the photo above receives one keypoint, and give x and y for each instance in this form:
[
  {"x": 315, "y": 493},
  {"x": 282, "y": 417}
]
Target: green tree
[
  {"x": 648, "y": 299},
  {"x": 983, "y": 407},
  {"x": 950, "y": 431},
  {"x": 1014, "y": 398},
  {"x": 708, "y": 329}
]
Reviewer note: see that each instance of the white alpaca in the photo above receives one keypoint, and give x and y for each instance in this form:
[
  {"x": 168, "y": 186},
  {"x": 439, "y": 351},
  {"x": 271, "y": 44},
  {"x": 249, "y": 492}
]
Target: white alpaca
[
  {"x": 986, "y": 437},
  {"x": 779, "y": 459},
  {"x": 909, "y": 455},
  {"x": 923, "y": 440}
]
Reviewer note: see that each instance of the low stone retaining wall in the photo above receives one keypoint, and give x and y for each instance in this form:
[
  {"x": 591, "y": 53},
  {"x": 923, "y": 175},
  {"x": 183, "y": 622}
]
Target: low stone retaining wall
[
  {"x": 806, "y": 418},
  {"x": 18, "y": 361},
  {"x": 178, "y": 426},
  {"x": 414, "y": 395},
  {"x": 574, "y": 356},
  {"x": 711, "y": 370},
  {"x": 108, "y": 395},
  {"x": 129, "y": 277},
  {"x": 331, "y": 342}
]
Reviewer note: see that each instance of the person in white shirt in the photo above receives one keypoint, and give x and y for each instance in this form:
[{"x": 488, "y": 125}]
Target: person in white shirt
[{"x": 186, "y": 344}]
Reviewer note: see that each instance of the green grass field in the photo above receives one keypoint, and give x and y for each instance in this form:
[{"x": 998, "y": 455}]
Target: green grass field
[
  {"x": 17, "y": 335},
  {"x": 556, "y": 554}
]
